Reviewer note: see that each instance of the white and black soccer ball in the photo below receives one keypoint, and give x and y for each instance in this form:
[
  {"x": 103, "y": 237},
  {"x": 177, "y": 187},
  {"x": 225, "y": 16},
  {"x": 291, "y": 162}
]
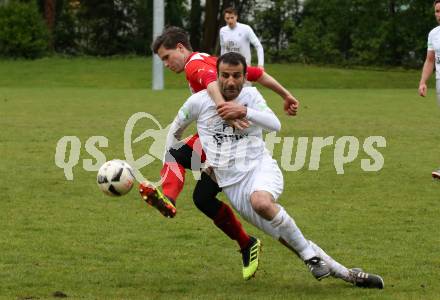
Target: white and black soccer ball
[{"x": 115, "y": 178}]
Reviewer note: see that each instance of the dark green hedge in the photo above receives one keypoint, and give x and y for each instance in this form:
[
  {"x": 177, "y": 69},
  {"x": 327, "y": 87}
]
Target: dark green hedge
[{"x": 22, "y": 31}]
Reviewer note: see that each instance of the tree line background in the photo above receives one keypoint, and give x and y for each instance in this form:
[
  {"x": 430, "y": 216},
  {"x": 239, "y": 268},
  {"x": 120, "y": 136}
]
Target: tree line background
[{"x": 341, "y": 32}]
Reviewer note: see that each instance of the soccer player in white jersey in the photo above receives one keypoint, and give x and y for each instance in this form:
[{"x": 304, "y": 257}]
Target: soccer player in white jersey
[
  {"x": 243, "y": 167},
  {"x": 237, "y": 37},
  {"x": 432, "y": 58}
]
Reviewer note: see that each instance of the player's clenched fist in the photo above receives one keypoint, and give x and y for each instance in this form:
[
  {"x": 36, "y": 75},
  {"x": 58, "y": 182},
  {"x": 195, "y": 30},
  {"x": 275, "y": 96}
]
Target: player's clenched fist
[
  {"x": 231, "y": 110},
  {"x": 291, "y": 105}
]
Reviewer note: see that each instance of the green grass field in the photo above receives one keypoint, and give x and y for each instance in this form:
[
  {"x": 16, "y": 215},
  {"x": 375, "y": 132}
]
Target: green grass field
[{"x": 60, "y": 235}]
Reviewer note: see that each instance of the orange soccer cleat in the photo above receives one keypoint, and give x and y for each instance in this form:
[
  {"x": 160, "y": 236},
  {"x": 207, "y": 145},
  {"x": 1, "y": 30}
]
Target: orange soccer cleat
[{"x": 155, "y": 198}]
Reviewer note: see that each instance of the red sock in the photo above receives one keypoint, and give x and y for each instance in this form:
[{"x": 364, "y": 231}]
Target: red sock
[
  {"x": 173, "y": 178},
  {"x": 229, "y": 224}
]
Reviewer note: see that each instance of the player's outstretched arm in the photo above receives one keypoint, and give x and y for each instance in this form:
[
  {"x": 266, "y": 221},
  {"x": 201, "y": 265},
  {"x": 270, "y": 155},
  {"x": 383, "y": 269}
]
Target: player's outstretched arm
[
  {"x": 186, "y": 115},
  {"x": 266, "y": 119},
  {"x": 428, "y": 68},
  {"x": 175, "y": 133},
  {"x": 259, "y": 113},
  {"x": 214, "y": 93},
  {"x": 291, "y": 104}
]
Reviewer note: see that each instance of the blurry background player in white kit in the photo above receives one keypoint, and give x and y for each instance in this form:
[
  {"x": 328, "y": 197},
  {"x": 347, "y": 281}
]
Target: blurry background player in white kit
[
  {"x": 243, "y": 167},
  {"x": 432, "y": 58},
  {"x": 237, "y": 37}
]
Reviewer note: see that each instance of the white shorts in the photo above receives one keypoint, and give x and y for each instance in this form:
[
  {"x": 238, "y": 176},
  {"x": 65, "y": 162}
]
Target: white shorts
[{"x": 267, "y": 177}]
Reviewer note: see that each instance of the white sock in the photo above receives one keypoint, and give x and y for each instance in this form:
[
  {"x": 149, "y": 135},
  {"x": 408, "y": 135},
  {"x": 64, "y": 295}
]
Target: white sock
[
  {"x": 337, "y": 270},
  {"x": 290, "y": 233}
]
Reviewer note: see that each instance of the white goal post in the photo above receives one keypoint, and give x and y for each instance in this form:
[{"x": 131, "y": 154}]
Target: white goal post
[{"x": 158, "y": 25}]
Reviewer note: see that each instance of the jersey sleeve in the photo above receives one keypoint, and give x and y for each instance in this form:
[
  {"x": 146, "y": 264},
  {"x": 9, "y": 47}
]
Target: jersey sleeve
[
  {"x": 222, "y": 43},
  {"x": 253, "y": 39},
  {"x": 201, "y": 73},
  {"x": 260, "y": 113},
  {"x": 187, "y": 114},
  {"x": 430, "y": 43},
  {"x": 254, "y": 73}
]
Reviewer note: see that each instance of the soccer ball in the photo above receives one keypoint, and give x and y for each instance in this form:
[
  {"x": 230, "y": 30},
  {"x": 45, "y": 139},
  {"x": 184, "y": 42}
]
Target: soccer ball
[{"x": 115, "y": 178}]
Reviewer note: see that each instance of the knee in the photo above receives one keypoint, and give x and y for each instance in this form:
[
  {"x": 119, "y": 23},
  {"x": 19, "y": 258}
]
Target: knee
[
  {"x": 262, "y": 203},
  {"x": 206, "y": 204}
]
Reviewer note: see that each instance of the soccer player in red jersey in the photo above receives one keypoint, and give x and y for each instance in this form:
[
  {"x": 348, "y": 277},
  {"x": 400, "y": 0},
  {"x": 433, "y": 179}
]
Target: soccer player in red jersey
[{"x": 174, "y": 49}]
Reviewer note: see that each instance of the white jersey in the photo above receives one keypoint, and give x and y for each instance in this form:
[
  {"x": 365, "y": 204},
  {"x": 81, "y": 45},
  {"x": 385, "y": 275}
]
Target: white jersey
[
  {"x": 238, "y": 39},
  {"x": 434, "y": 45},
  {"x": 231, "y": 152}
]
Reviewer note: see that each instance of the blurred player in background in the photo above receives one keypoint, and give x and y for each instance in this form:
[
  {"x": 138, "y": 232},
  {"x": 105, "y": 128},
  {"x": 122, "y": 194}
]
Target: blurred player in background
[
  {"x": 245, "y": 170},
  {"x": 174, "y": 49},
  {"x": 432, "y": 59},
  {"x": 237, "y": 37}
]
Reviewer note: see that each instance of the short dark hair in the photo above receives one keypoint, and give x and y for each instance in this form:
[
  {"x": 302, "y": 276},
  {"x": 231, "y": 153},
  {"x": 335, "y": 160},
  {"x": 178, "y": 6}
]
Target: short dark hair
[
  {"x": 169, "y": 39},
  {"x": 232, "y": 58},
  {"x": 230, "y": 10}
]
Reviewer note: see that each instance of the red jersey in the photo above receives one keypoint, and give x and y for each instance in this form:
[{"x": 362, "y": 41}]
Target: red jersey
[{"x": 200, "y": 70}]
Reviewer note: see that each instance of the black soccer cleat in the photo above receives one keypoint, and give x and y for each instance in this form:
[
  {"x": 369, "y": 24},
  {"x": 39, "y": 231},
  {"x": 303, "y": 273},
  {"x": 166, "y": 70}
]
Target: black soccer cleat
[
  {"x": 366, "y": 280},
  {"x": 318, "y": 267}
]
